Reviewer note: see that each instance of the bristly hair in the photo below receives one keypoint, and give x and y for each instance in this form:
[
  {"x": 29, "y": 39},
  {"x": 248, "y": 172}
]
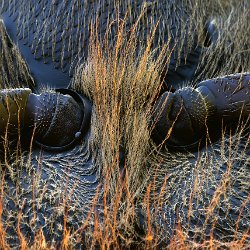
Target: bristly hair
[
  {"x": 118, "y": 189},
  {"x": 14, "y": 71}
]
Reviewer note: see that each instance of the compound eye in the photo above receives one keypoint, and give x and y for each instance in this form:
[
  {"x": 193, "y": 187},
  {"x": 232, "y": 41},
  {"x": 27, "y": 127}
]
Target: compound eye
[{"x": 60, "y": 119}]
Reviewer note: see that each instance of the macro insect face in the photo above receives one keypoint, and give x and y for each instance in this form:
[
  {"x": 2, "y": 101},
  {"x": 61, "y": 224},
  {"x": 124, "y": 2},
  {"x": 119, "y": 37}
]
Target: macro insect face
[{"x": 135, "y": 122}]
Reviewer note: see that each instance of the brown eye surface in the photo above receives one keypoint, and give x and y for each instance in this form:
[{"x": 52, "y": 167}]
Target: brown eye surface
[{"x": 60, "y": 119}]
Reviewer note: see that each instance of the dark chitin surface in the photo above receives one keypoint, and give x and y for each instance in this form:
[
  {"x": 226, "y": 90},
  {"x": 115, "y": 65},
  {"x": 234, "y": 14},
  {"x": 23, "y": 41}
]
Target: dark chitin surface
[{"x": 54, "y": 35}]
